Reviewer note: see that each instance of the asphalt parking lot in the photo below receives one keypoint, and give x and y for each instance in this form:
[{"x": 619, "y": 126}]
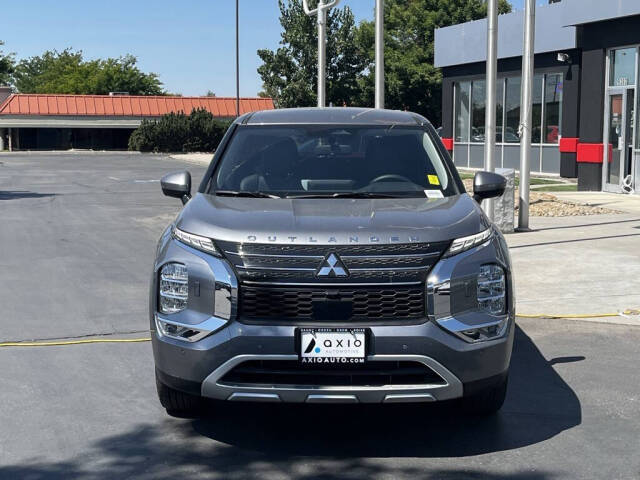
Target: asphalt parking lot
[{"x": 77, "y": 240}]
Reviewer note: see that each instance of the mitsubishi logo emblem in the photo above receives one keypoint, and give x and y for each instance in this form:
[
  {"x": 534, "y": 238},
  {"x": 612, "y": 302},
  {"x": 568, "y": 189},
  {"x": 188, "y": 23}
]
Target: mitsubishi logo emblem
[{"x": 332, "y": 266}]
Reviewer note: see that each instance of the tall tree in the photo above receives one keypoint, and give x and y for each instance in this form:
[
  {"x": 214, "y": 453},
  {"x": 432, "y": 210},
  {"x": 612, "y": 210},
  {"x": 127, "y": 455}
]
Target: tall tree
[
  {"x": 68, "y": 72},
  {"x": 6, "y": 66},
  {"x": 411, "y": 80},
  {"x": 289, "y": 74}
]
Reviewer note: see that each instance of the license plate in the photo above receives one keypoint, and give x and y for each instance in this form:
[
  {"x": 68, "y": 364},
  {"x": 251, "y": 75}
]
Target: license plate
[{"x": 320, "y": 344}]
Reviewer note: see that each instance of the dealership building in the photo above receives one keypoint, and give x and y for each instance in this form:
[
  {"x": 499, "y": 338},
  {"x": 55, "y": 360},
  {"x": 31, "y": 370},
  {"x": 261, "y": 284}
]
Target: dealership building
[
  {"x": 585, "y": 92},
  {"x": 98, "y": 122}
]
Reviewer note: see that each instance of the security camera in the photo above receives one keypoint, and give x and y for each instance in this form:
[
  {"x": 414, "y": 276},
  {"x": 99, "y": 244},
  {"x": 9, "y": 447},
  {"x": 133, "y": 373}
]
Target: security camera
[{"x": 564, "y": 57}]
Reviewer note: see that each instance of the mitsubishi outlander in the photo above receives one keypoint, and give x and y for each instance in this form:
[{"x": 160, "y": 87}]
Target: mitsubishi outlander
[{"x": 332, "y": 256}]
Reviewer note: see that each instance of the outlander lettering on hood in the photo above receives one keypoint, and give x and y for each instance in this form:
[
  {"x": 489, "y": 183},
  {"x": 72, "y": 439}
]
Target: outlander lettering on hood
[{"x": 350, "y": 239}]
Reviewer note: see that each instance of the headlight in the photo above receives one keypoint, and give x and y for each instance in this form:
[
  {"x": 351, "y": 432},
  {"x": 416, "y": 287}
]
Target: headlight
[
  {"x": 491, "y": 294},
  {"x": 460, "y": 245},
  {"x": 491, "y": 299},
  {"x": 173, "y": 288},
  {"x": 491, "y": 291},
  {"x": 196, "y": 241}
]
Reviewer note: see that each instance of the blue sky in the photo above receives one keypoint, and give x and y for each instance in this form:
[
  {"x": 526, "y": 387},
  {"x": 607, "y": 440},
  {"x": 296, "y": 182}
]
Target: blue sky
[{"x": 189, "y": 43}]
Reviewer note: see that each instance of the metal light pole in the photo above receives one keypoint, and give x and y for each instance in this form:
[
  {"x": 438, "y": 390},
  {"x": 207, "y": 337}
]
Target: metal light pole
[
  {"x": 490, "y": 101},
  {"x": 321, "y": 12},
  {"x": 525, "y": 112},
  {"x": 379, "y": 53},
  {"x": 237, "y": 59}
]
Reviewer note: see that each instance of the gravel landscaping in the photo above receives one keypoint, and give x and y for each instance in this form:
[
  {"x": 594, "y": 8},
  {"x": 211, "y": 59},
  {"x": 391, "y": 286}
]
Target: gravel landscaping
[{"x": 543, "y": 204}]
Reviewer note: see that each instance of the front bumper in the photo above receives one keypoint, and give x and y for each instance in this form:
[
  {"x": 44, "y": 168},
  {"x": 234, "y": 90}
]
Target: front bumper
[
  {"x": 464, "y": 367},
  {"x": 213, "y": 387},
  {"x": 198, "y": 368}
]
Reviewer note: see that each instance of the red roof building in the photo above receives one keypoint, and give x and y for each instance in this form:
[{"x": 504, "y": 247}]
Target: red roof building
[
  {"x": 125, "y": 105},
  {"x": 36, "y": 118}
]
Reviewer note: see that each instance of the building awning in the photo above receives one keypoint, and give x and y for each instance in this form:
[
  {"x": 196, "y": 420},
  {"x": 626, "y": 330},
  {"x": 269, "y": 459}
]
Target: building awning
[
  {"x": 579, "y": 12},
  {"x": 126, "y": 107},
  {"x": 467, "y": 42}
]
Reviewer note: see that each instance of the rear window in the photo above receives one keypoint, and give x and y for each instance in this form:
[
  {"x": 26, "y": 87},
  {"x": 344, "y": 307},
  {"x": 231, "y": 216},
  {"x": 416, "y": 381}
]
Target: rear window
[{"x": 308, "y": 160}]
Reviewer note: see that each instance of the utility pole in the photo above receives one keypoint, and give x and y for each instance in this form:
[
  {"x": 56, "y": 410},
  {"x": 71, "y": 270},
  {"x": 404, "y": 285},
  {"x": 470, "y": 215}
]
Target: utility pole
[
  {"x": 379, "y": 53},
  {"x": 237, "y": 58},
  {"x": 490, "y": 100},
  {"x": 525, "y": 112},
  {"x": 321, "y": 12}
]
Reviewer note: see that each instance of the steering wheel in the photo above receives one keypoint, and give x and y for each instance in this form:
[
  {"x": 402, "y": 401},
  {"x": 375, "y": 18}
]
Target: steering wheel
[{"x": 389, "y": 177}]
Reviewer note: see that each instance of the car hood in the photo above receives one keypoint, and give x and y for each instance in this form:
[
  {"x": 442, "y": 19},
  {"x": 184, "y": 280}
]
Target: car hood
[{"x": 332, "y": 221}]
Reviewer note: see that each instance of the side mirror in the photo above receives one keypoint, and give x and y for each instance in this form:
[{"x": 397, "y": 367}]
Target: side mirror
[
  {"x": 178, "y": 185},
  {"x": 488, "y": 185}
]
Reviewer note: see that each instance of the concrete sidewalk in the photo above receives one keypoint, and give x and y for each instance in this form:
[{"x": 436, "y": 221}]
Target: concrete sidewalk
[
  {"x": 197, "y": 158},
  {"x": 615, "y": 201},
  {"x": 579, "y": 265}
]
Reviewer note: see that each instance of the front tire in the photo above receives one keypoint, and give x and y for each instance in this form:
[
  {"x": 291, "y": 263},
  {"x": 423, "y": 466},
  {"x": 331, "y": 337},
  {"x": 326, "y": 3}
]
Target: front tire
[
  {"x": 178, "y": 403},
  {"x": 486, "y": 402}
]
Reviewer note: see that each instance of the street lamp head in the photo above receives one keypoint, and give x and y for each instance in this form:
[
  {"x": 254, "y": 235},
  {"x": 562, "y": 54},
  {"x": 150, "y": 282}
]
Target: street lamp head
[{"x": 321, "y": 6}]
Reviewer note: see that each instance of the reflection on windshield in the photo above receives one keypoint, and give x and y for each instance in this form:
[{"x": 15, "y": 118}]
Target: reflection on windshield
[{"x": 329, "y": 161}]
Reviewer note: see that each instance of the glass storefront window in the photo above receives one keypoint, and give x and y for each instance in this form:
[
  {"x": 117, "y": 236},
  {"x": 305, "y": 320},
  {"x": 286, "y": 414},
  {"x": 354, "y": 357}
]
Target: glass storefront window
[
  {"x": 536, "y": 112},
  {"x": 499, "y": 109},
  {"x": 512, "y": 110},
  {"x": 552, "y": 108},
  {"x": 636, "y": 129},
  {"x": 478, "y": 98},
  {"x": 470, "y": 109},
  {"x": 478, "y": 110},
  {"x": 623, "y": 67},
  {"x": 462, "y": 104}
]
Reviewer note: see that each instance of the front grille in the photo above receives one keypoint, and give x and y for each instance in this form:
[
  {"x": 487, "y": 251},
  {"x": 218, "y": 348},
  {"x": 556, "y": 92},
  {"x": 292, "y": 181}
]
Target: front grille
[
  {"x": 332, "y": 304},
  {"x": 299, "y": 264},
  {"x": 292, "y": 249},
  {"x": 292, "y": 373}
]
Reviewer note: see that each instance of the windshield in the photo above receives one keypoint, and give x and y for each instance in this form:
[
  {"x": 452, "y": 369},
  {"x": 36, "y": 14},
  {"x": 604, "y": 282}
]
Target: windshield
[{"x": 332, "y": 161}]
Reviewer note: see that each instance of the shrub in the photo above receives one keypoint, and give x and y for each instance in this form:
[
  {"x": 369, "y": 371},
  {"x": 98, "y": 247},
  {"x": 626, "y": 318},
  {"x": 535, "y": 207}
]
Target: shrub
[{"x": 177, "y": 132}]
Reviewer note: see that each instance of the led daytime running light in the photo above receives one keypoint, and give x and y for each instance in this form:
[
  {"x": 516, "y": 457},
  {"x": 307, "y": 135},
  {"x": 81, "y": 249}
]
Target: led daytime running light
[
  {"x": 196, "y": 241},
  {"x": 463, "y": 244}
]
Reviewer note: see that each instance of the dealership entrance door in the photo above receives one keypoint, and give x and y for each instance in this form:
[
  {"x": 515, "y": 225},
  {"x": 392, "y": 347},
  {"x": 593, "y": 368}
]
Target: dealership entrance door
[
  {"x": 618, "y": 167},
  {"x": 621, "y": 169}
]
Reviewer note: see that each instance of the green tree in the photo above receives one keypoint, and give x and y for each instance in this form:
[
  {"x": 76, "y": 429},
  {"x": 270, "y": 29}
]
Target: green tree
[
  {"x": 122, "y": 75},
  {"x": 289, "y": 74},
  {"x": 68, "y": 72},
  {"x": 6, "y": 66},
  {"x": 411, "y": 80}
]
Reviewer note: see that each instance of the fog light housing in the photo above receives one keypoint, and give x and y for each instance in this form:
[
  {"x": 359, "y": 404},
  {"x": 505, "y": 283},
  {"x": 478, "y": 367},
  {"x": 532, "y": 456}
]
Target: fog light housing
[
  {"x": 173, "y": 288},
  {"x": 179, "y": 331},
  {"x": 487, "y": 332},
  {"x": 475, "y": 333}
]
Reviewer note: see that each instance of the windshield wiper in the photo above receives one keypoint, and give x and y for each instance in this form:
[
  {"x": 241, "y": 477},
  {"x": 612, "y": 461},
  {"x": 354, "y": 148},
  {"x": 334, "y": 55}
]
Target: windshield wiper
[
  {"x": 244, "y": 193},
  {"x": 346, "y": 195}
]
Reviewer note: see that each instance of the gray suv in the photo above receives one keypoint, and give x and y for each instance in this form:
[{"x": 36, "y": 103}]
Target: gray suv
[{"x": 332, "y": 256}]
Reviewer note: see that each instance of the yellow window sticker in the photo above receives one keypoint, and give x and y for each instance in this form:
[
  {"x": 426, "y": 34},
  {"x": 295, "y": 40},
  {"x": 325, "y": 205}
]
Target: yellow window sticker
[{"x": 433, "y": 179}]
